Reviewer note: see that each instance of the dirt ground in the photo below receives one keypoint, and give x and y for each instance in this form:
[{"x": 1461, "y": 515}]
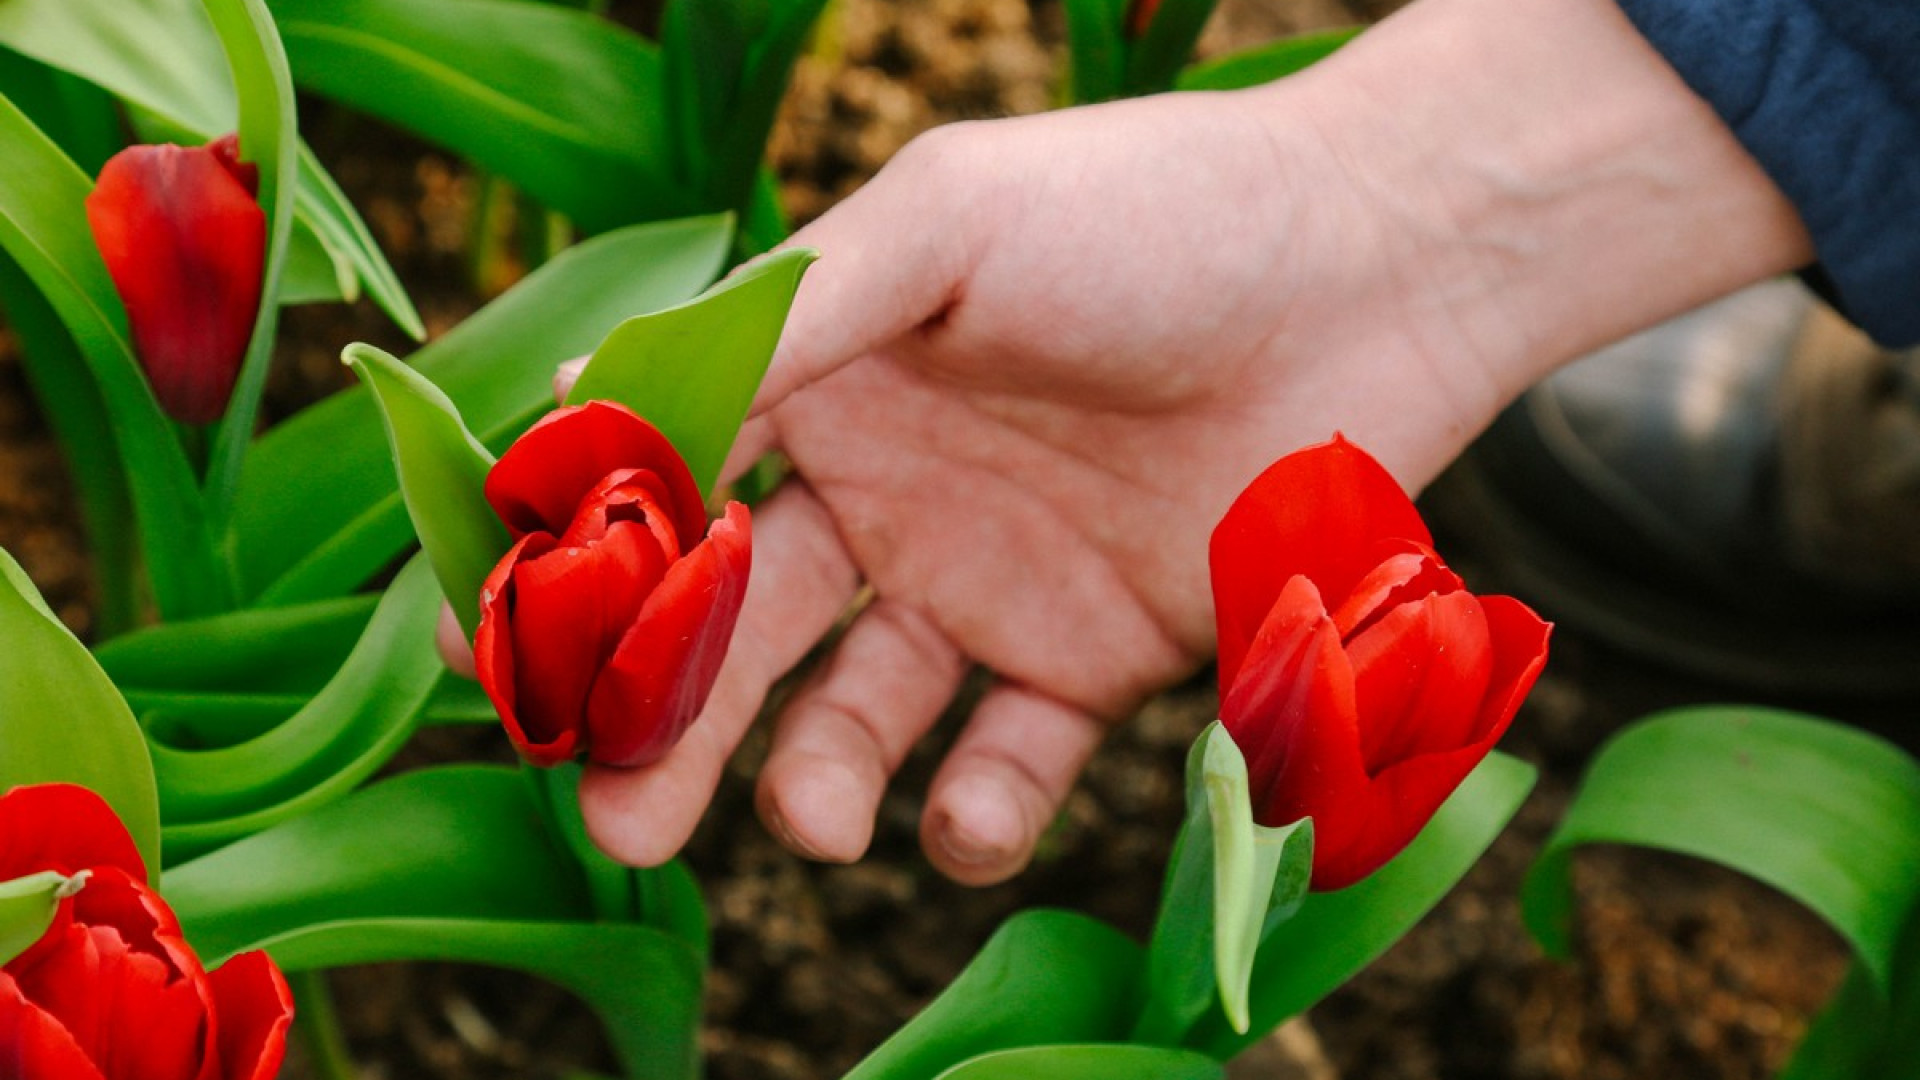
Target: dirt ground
[{"x": 1686, "y": 973}]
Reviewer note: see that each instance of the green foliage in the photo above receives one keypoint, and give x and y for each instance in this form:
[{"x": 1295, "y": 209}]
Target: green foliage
[
  {"x": 310, "y": 526},
  {"x": 692, "y": 370},
  {"x": 1044, "y": 978},
  {"x": 27, "y": 907},
  {"x": 1228, "y": 880},
  {"x": 452, "y": 863},
  {"x": 1265, "y": 63},
  {"x": 1088, "y": 1062},
  {"x": 62, "y": 721},
  {"x": 443, "y": 471},
  {"x": 1826, "y": 814}
]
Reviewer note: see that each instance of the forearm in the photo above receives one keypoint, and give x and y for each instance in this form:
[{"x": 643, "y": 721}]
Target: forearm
[{"x": 1533, "y": 181}]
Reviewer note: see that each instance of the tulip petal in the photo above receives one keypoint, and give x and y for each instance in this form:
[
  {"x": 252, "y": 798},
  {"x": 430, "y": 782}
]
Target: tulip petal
[
  {"x": 34, "y": 1043},
  {"x": 493, "y": 654},
  {"x": 1320, "y": 512},
  {"x": 571, "y": 609},
  {"x": 658, "y": 680},
  {"x": 540, "y": 482},
  {"x": 62, "y": 827},
  {"x": 1407, "y": 571},
  {"x": 255, "y": 1008},
  {"x": 185, "y": 244},
  {"x": 1420, "y": 674},
  {"x": 1519, "y": 643}
]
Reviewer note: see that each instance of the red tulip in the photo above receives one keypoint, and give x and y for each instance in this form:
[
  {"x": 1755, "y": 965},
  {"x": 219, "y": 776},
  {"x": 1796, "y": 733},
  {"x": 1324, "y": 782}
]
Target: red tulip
[
  {"x": 112, "y": 991},
  {"x": 1358, "y": 676},
  {"x": 186, "y": 245},
  {"x": 1140, "y": 16},
  {"x": 603, "y": 628}
]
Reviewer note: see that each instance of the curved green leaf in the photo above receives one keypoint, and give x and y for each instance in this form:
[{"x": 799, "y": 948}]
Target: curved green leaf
[
  {"x": 61, "y": 720},
  {"x": 564, "y": 104},
  {"x": 310, "y": 526},
  {"x": 1097, "y": 49},
  {"x": 214, "y": 795},
  {"x": 693, "y": 369},
  {"x": 1334, "y": 935},
  {"x": 293, "y": 650},
  {"x": 1229, "y": 879},
  {"x": 1827, "y": 814},
  {"x": 1265, "y": 63},
  {"x": 443, "y": 474},
  {"x": 1088, "y": 1062},
  {"x": 27, "y": 907},
  {"x": 1045, "y": 977}
]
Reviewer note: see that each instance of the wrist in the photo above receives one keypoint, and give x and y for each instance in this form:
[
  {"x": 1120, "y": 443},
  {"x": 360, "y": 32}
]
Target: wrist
[{"x": 1525, "y": 181}]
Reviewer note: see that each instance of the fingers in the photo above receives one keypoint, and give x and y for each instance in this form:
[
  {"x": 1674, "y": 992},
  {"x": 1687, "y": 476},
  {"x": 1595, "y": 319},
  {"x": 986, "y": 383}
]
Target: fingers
[
  {"x": 802, "y": 580},
  {"x": 843, "y": 735},
  {"x": 1003, "y": 782},
  {"x": 566, "y": 375},
  {"x": 881, "y": 273},
  {"x": 455, "y": 651}
]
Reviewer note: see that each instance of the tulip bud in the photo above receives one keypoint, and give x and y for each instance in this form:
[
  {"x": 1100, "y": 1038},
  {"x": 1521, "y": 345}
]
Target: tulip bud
[
  {"x": 185, "y": 243},
  {"x": 1140, "y": 16},
  {"x": 1358, "y": 676}
]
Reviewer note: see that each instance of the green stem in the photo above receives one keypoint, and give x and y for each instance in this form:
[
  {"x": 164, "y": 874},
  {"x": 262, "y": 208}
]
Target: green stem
[{"x": 319, "y": 1025}]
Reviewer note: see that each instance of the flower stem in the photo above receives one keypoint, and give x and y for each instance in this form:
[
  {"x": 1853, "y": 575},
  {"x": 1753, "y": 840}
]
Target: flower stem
[{"x": 319, "y": 1025}]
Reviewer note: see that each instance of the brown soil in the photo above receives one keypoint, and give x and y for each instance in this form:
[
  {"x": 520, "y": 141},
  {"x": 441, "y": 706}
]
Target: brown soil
[{"x": 1685, "y": 972}]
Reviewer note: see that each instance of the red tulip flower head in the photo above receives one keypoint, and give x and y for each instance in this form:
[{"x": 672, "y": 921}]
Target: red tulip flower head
[
  {"x": 185, "y": 244},
  {"x": 1358, "y": 676},
  {"x": 111, "y": 991},
  {"x": 603, "y": 628}
]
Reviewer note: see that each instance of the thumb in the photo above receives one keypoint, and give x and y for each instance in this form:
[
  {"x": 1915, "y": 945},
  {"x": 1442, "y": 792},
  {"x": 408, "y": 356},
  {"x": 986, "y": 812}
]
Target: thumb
[{"x": 893, "y": 258}]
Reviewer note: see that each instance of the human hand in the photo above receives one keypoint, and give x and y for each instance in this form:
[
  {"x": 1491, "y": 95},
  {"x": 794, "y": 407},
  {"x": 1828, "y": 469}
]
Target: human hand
[{"x": 1039, "y": 357}]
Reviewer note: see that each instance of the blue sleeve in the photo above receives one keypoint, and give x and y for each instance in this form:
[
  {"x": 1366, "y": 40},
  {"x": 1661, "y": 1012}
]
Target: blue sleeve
[{"x": 1826, "y": 96}]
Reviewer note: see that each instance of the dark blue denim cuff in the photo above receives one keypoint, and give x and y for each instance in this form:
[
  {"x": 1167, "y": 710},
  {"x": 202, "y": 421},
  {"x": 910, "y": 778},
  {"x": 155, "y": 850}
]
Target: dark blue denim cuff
[{"x": 1826, "y": 96}]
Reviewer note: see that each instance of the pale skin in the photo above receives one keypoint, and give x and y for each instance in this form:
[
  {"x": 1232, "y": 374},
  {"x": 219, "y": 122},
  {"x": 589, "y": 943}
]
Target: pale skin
[{"x": 1040, "y": 356}]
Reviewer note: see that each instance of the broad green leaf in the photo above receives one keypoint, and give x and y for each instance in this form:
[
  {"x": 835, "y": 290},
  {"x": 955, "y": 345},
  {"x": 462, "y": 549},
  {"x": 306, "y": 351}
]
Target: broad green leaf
[
  {"x": 1827, "y": 814},
  {"x": 165, "y": 57},
  {"x": 79, "y": 117},
  {"x": 1265, "y": 63},
  {"x": 268, "y": 132},
  {"x": 1865, "y": 1033},
  {"x": 1045, "y": 977},
  {"x": 43, "y": 227},
  {"x": 266, "y": 650},
  {"x": 1156, "y": 58},
  {"x": 1097, "y": 49},
  {"x": 313, "y": 273},
  {"x": 452, "y": 842},
  {"x": 62, "y": 721},
  {"x": 311, "y": 526},
  {"x": 27, "y": 907},
  {"x": 212, "y": 796},
  {"x": 451, "y": 863},
  {"x": 564, "y": 104},
  {"x": 643, "y": 983},
  {"x": 71, "y": 403},
  {"x": 1088, "y": 1061},
  {"x": 1334, "y": 935},
  {"x": 1228, "y": 880},
  {"x": 443, "y": 474},
  {"x": 692, "y": 370}
]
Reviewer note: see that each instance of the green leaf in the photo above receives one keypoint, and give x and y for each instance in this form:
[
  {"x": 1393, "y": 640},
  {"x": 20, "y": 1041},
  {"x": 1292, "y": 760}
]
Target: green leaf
[
  {"x": 1156, "y": 58},
  {"x": 443, "y": 474},
  {"x": 212, "y": 796},
  {"x": 735, "y": 150},
  {"x": 564, "y": 104},
  {"x": 1097, "y": 49},
  {"x": 78, "y": 116},
  {"x": 1334, "y": 935},
  {"x": 268, "y": 132},
  {"x": 27, "y": 907},
  {"x": 1863, "y": 1033},
  {"x": 1045, "y": 977},
  {"x": 265, "y": 650},
  {"x": 1088, "y": 1062},
  {"x": 311, "y": 526},
  {"x": 1827, "y": 814},
  {"x": 165, "y": 57},
  {"x": 1229, "y": 879},
  {"x": 61, "y": 720},
  {"x": 1265, "y": 63},
  {"x": 451, "y": 863},
  {"x": 43, "y": 227},
  {"x": 692, "y": 370}
]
